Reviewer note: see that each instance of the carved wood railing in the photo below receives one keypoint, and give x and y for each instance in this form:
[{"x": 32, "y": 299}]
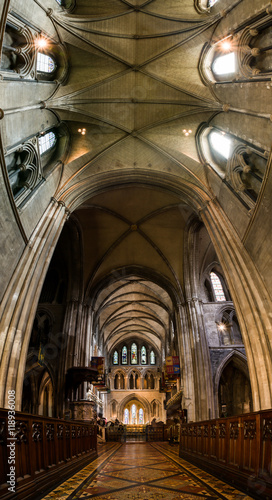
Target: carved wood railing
[
  {"x": 237, "y": 449},
  {"x": 45, "y": 448}
]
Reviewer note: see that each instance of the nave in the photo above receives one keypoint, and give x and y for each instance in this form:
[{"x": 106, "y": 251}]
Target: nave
[{"x": 142, "y": 471}]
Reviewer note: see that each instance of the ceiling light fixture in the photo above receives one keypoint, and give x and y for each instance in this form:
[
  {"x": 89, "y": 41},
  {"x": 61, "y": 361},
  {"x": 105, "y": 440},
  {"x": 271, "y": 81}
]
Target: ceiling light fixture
[
  {"x": 187, "y": 132},
  {"x": 82, "y": 131}
]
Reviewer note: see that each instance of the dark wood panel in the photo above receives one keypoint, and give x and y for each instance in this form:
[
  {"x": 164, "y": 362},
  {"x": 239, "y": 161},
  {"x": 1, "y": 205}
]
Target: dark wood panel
[
  {"x": 44, "y": 447},
  {"x": 237, "y": 449}
]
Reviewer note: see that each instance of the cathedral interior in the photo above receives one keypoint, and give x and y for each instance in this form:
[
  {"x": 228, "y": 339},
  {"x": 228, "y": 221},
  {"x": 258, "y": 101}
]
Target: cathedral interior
[{"x": 135, "y": 213}]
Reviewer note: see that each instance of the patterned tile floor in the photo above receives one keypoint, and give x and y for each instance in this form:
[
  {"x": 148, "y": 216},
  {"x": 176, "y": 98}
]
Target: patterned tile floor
[{"x": 143, "y": 471}]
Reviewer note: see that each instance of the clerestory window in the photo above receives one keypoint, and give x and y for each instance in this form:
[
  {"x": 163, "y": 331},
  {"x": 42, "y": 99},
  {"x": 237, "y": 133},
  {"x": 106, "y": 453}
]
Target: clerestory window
[
  {"x": 224, "y": 64},
  {"x": 45, "y": 63},
  {"x": 217, "y": 288},
  {"x": 220, "y": 143},
  {"x": 47, "y": 142}
]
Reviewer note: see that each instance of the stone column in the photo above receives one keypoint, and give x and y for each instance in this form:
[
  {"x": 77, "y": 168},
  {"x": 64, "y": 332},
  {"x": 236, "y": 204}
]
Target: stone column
[
  {"x": 21, "y": 298},
  {"x": 251, "y": 300}
]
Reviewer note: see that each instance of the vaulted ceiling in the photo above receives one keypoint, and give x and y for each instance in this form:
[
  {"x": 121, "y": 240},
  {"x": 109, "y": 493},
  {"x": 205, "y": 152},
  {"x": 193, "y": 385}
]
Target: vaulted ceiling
[{"x": 134, "y": 85}]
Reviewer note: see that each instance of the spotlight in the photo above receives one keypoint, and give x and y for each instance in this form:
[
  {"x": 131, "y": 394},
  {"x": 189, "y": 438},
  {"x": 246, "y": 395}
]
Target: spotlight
[
  {"x": 226, "y": 46},
  {"x": 41, "y": 43}
]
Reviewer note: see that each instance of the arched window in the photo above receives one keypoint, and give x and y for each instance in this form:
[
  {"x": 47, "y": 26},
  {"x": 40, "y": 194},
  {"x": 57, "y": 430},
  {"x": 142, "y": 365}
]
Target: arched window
[
  {"x": 46, "y": 142},
  {"x": 124, "y": 355},
  {"x": 225, "y": 64},
  {"x": 45, "y": 63},
  {"x": 204, "y": 5},
  {"x": 134, "y": 357},
  {"x": 220, "y": 143},
  {"x": 126, "y": 416},
  {"x": 133, "y": 415},
  {"x": 143, "y": 355},
  {"x": 115, "y": 358},
  {"x": 217, "y": 288},
  {"x": 152, "y": 358},
  {"x": 240, "y": 163},
  {"x": 141, "y": 416}
]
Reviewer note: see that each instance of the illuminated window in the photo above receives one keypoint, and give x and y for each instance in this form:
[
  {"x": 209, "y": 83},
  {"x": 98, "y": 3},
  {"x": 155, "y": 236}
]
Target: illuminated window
[
  {"x": 45, "y": 64},
  {"x": 133, "y": 415},
  {"x": 46, "y": 142},
  {"x": 126, "y": 416},
  {"x": 141, "y": 416},
  {"x": 124, "y": 356},
  {"x": 134, "y": 360},
  {"x": 143, "y": 355},
  {"x": 59, "y": 1},
  {"x": 152, "y": 358},
  {"x": 217, "y": 288},
  {"x": 220, "y": 143},
  {"x": 115, "y": 358},
  {"x": 211, "y": 2},
  {"x": 224, "y": 65}
]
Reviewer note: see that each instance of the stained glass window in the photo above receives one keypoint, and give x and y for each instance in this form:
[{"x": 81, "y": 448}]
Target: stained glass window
[
  {"x": 124, "y": 356},
  {"x": 134, "y": 360},
  {"x": 45, "y": 64},
  {"x": 152, "y": 358},
  {"x": 115, "y": 358},
  {"x": 217, "y": 288},
  {"x": 143, "y": 355},
  {"x": 59, "y": 1},
  {"x": 126, "y": 416},
  {"x": 46, "y": 142},
  {"x": 141, "y": 416},
  {"x": 133, "y": 415}
]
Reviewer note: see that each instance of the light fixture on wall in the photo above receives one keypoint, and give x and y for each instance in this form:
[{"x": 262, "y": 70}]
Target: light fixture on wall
[
  {"x": 187, "y": 132},
  {"x": 222, "y": 326}
]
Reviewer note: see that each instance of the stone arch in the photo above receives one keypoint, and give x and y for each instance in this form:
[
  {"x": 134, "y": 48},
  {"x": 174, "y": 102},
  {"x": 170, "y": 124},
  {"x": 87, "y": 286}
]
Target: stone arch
[
  {"x": 156, "y": 409},
  {"x": 46, "y": 396},
  {"x": 232, "y": 325},
  {"x": 240, "y": 361},
  {"x": 113, "y": 408},
  {"x": 134, "y": 396}
]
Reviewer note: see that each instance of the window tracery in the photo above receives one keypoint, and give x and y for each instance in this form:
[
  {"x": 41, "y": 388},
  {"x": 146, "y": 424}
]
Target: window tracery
[
  {"x": 241, "y": 164},
  {"x": 244, "y": 55},
  {"x": 24, "y": 170},
  {"x": 131, "y": 356}
]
